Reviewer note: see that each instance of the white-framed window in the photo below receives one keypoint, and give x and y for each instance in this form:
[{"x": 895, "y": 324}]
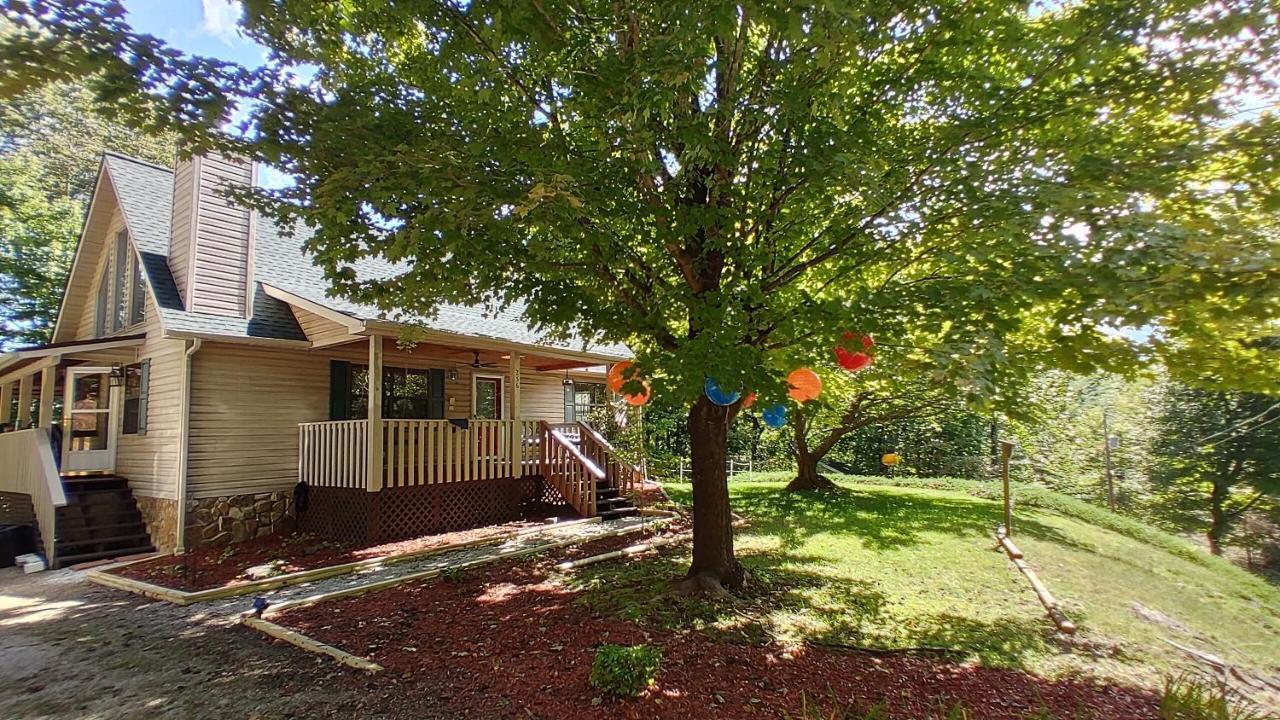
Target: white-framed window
[
  {"x": 122, "y": 295},
  {"x": 137, "y": 294},
  {"x": 119, "y": 274},
  {"x": 486, "y": 397}
]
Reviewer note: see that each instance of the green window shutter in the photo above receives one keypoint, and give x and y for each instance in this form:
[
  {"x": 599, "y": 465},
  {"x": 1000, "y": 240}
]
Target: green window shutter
[
  {"x": 339, "y": 390},
  {"x": 144, "y": 385},
  {"x": 435, "y": 395}
]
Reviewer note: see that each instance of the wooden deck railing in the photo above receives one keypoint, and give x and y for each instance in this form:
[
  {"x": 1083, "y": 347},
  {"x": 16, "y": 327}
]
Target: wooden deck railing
[
  {"x": 570, "y": 472},
  {"x": 426, "y": 452},
  {"x": 334, "y": 454},
  {"x": 571, "y": 456},
  {"x": 27, "y": 468},
  {"x": 619, "y": 473},
  {"x": 414, "y": 452}
]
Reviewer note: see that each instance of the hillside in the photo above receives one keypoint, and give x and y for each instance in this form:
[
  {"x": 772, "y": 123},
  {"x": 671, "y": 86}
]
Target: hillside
[{"x": 912, "y": 565}]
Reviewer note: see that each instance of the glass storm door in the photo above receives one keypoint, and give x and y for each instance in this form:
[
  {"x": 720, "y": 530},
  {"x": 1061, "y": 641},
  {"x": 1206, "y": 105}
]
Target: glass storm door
[
  {"x": 488, "y": 393},
  {"x": 88, "y": 438}
]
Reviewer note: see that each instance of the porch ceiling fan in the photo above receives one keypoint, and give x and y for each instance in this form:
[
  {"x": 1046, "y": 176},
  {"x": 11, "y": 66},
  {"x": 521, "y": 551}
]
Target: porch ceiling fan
[{"x": 475, "y": 361}]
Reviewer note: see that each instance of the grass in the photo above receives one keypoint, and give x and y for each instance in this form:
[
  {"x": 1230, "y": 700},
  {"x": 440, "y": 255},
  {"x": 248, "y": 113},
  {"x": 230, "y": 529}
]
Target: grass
[{"x": 912, "y": 566}]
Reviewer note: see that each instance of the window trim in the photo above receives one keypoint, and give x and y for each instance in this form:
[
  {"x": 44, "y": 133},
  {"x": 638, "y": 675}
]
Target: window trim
[
  {"x": 136, "y": 305},
  {"x": 118, "y": 312},
  {"x": 120, "y": 277},
  {"x": 475, "y": 396}
]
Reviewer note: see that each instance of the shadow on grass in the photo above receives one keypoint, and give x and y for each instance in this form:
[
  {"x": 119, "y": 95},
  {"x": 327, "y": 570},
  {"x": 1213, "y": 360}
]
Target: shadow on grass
[{"x": 781, "y": 602}]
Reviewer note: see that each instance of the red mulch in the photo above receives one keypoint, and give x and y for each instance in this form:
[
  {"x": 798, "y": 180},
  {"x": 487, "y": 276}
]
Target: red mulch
[
  {"x": 298, "y": 552},
  {"x": 507, "y": 642}
]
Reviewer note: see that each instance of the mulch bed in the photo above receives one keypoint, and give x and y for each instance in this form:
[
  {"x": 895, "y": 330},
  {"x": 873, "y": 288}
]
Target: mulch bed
[
  {"x": 508, "y": 641},
  {"x": 219, "y": 567}
]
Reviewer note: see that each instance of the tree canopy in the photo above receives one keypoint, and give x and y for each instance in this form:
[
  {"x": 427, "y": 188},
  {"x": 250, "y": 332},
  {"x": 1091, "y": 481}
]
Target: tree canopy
[
  {"x": 51, "y": 139},
  {"x": 727, "y": 186},
  {"x": 1217, "y": 452}
]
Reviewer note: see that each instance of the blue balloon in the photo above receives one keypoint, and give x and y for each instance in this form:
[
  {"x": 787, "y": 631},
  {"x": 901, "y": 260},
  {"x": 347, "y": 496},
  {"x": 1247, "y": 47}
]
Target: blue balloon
[
  {"x": 718, "y": 396},
  {"x": 775, "y": 417}
]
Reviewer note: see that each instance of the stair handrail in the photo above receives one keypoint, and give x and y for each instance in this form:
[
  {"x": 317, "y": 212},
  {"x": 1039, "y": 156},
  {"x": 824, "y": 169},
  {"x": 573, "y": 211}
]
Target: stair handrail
[
  {"x": 630, "y": 474},
  {"x": 31, "y": 470},
  {"x": 582, "y": 499}
]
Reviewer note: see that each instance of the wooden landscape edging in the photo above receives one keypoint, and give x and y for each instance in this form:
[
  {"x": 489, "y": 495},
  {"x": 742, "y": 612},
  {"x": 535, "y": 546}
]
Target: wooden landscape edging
[
  {"x": 183, "y": 597},
  {"x": 629, "y": 550},
  {"x": 304, "y": 642},
  {"x": 273, "y": 610},
  {"x": 1042, "y": 591}
]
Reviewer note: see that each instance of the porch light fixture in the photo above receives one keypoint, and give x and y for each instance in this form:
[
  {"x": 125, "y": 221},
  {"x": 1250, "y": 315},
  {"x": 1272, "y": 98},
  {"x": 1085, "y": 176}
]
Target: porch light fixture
[
  {"x": 453, "y": 374},
  {"x": 117, "y": 375},
  {"x": 568, "y": 381}
]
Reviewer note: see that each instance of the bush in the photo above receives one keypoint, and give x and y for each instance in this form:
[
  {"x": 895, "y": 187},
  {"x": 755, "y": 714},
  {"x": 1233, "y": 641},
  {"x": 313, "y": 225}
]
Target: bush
[{"x": 624, "y": 670}]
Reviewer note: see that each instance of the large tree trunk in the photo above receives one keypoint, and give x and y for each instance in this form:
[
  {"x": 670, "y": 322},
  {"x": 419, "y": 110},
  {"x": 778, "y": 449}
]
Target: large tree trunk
[
  {"x": 714, "y": 566},
  {"x": 807, "y": 477},
  {"x": 1217, "y": 518}
]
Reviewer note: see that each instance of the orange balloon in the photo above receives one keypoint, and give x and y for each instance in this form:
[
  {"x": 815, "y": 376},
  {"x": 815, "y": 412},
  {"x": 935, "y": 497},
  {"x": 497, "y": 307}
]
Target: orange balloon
[
  {"x": 639, "y": 398},
  {"x": 618, "y": 375},
  {"x": 805, "y": 385},
  {"x": 751, "y": 400}
]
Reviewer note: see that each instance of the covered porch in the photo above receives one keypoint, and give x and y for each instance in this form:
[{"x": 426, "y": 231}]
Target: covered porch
[
  {"x": 381, "y": 478},
  {"x": 60, "y": 415}
]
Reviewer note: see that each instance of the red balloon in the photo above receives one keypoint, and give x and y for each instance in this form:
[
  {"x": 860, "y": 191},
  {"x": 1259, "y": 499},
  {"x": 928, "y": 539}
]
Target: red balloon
[
  {"x": 749, "y": 401},
  {"x": 853, "y": 362}
]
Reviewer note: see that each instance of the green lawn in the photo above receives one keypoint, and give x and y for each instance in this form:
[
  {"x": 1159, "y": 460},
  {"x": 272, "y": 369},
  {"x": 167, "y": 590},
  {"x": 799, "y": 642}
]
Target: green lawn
[{"x": 893, "y": 567}]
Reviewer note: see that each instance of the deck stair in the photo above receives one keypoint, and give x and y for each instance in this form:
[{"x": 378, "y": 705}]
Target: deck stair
[
  {"x": 100, "y": 520},
  {"x": 593, "y": 461},
  {"x": 610, "y": 504}
]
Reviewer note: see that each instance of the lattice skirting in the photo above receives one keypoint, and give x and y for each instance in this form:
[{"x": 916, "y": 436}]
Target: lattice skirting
[
  {"x": 355, "y": 515},
  {"x": 17, "y": 509}
]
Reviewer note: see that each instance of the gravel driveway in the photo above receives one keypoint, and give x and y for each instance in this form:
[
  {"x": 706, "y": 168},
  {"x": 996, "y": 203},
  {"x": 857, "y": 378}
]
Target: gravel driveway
[{"x": 70, "y": 649}]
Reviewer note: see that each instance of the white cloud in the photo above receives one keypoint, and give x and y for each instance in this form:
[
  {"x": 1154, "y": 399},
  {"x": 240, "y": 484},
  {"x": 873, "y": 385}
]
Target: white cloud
[{"x": 221, "y": 18}]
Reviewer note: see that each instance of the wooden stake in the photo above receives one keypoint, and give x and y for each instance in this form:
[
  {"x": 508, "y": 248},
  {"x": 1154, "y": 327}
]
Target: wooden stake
[{"x": 1006, "y": 450}]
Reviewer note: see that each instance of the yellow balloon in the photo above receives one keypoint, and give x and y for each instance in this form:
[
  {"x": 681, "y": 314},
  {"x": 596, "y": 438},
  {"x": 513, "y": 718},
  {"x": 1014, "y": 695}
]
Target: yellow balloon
[{"x": 891, "y": 459}]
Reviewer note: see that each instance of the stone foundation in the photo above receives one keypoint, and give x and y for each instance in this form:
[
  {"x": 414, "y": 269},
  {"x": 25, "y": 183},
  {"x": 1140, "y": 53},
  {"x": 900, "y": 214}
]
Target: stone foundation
[
  {"x": 236, "y": 518},
  {"x": 161, "y": 518}
]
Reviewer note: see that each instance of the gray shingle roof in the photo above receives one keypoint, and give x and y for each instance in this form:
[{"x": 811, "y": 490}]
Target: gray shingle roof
[{"x": 146, "y": 191}]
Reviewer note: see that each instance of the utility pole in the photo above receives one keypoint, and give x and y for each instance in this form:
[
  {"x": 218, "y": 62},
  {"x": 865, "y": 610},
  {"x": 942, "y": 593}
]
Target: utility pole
[{"x": 1106, "y": 457}]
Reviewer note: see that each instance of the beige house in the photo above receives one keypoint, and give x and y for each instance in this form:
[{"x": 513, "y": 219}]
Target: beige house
[{"x": 201, "y": 387}]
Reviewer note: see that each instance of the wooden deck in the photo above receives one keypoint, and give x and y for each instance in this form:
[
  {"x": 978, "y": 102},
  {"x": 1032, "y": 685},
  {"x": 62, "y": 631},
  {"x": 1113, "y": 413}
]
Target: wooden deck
[{"x": 575, "y": 459}]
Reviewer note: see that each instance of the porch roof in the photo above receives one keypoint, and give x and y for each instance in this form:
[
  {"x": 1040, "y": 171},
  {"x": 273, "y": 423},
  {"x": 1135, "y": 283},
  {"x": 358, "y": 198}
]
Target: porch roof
[{"x": 12, "y": 363}]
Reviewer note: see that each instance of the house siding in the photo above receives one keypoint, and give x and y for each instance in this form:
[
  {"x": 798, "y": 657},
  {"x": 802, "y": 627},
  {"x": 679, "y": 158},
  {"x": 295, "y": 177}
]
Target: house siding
[
  {"x": 247, "y": 402},
  {"x": 180, "y": 226},
  {"x": 150, "y": 460},
  {"x": 319, "y": 330},
  {"x": 221, "y": 269}
]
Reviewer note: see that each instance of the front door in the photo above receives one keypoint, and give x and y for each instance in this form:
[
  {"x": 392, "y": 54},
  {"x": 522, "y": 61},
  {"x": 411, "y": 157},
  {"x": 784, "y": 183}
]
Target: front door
[{"x": 88, "y": 437}]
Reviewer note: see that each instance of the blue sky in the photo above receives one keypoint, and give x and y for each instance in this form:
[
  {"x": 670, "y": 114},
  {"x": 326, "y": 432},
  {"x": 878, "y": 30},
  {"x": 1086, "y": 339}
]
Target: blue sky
[
  {"x": 203, "y": 27},
  {"x": 199, "y": 27}
]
